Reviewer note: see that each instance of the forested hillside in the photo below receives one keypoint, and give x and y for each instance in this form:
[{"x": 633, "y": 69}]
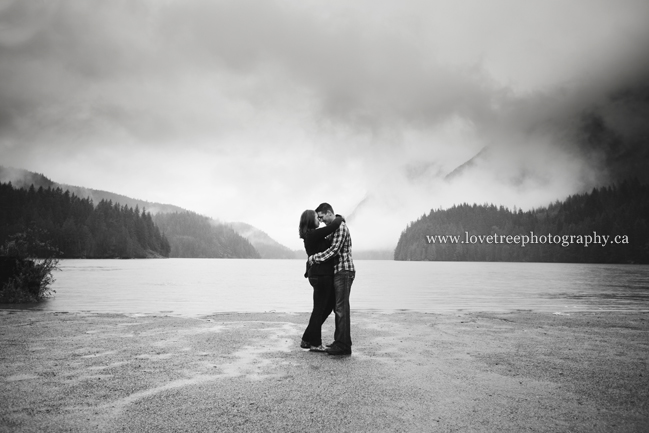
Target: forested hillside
[
  {"x": 607, "y": 225},
  {"x": 78, "y": 228},
  {"x": 193, "y": 235},
  {"x": 20, "y": 178}
]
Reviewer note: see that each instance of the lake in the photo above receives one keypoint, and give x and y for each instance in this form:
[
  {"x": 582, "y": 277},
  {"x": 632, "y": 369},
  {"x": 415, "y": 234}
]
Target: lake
[{"x": 191, "y": 287}]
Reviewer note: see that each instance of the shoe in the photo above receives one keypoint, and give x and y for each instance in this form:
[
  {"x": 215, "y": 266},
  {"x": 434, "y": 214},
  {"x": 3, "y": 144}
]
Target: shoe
[
  {"x": 337, "y": 350},
  {"x": 317, "y": 349},
  {"x": 330, "y": 344},
  {"x": 305, "y": 345}
]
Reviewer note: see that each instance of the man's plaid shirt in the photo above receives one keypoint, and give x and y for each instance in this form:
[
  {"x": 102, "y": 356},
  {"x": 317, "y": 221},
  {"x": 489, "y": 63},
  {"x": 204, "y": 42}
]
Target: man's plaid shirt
[{"x": 342, "y": 245}]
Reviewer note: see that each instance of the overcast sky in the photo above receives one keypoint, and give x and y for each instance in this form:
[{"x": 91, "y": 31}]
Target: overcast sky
[{"x": 255, "y": 110}]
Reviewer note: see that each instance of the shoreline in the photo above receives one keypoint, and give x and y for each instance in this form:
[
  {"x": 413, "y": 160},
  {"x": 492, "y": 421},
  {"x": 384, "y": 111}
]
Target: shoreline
[{"x": 409, "y": 371}]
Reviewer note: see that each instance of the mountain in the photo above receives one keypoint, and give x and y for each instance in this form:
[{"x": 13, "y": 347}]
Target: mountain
[
  {"x": 221, "y": 240},
  {"x": 76, "y": 227},
  {"x": 268, "y": 247},
  {"x": 607, "y": 225},
  {"x": 479, "y": 157},
  {"x": 196, "y": 236},
  {"x": 609, "y": 137},
  {"x": 20, "y": 178}
]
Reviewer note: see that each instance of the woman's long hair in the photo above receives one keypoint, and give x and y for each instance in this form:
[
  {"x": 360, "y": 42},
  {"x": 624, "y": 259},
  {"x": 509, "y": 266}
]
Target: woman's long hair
[{"x": 307, "y": 222}]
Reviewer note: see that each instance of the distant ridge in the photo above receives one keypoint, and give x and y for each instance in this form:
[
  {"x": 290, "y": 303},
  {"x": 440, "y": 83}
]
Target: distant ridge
[
  {"x": 21, "y": 178},
  {"x": 484, "y": 153},
  {"x": 268, "y": 247},
  {"x": 196, "y": 236},
  {"x": 99, "y": 195}
]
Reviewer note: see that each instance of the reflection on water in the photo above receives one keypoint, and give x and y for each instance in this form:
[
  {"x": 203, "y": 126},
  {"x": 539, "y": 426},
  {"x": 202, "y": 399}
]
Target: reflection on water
[{"x": 203, "y": 286}]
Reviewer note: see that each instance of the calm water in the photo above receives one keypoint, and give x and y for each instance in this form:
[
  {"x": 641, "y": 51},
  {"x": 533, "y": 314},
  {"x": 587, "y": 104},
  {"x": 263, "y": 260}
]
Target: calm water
[{"x": 191, "y": 287}]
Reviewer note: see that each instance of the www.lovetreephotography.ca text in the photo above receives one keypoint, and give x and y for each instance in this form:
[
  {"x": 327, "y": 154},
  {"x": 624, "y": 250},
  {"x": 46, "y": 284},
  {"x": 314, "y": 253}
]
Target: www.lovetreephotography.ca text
[{"x": 532, "y": 238}]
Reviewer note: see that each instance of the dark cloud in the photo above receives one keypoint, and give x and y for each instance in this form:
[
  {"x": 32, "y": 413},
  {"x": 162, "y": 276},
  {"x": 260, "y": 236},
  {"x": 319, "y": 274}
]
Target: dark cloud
[
  {"x": 364, "y": 74},
  {"x": 391, "y": 96}
]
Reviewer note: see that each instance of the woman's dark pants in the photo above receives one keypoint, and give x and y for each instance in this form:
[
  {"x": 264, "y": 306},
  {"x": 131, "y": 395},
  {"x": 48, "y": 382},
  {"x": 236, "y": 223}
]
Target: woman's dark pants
[{"x": 323, "y": 305}]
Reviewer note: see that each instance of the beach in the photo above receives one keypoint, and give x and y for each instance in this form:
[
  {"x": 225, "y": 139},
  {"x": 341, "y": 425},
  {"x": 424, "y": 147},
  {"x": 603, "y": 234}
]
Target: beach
[{"x": 520, "y": 371}]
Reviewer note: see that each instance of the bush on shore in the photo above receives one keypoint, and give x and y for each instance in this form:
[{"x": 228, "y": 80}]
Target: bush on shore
[{"x": 27, "y": 267}]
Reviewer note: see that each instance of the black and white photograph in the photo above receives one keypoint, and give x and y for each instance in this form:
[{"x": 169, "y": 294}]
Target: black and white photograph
[{"x": 324, "y": 216}]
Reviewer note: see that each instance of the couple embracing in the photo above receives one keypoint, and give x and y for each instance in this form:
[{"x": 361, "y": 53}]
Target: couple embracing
[{"x": 331, "y": 272}]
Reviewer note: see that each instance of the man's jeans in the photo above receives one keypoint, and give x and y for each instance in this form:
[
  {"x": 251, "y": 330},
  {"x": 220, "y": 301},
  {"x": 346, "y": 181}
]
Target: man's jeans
[{"x": 342, "y": 287}]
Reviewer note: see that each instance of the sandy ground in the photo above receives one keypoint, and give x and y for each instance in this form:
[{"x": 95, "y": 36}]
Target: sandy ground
[{"x": 410, "y": 372}]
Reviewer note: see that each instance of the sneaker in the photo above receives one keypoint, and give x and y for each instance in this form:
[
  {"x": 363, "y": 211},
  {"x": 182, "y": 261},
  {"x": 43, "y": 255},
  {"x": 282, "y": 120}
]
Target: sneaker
[
  {"x": 337, "y": 350},
  {"x": 317, "y": 349}
]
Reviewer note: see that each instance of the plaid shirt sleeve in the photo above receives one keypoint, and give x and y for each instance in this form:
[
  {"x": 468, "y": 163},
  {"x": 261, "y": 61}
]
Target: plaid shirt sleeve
[{"x": 336, "y": 244}]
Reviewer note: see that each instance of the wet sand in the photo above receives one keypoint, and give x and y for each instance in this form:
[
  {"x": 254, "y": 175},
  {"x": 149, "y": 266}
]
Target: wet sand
[{"x": 409, "y": 372}]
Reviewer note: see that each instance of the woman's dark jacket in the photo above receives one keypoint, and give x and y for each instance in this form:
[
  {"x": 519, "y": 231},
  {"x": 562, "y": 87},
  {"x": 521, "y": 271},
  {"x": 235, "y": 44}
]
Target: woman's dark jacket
[{"x": 315, "y": 242}]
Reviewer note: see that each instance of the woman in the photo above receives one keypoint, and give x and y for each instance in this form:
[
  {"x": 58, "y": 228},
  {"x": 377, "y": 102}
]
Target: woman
[{"x": 321, "y": 276}]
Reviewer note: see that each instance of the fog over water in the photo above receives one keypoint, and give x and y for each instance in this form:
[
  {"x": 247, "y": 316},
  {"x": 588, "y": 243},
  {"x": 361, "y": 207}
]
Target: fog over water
[{"x": 256, "y": 110}]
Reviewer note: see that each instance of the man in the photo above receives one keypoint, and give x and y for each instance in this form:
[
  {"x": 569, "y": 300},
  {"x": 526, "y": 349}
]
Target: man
[{"x": 344, "y": 274}]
